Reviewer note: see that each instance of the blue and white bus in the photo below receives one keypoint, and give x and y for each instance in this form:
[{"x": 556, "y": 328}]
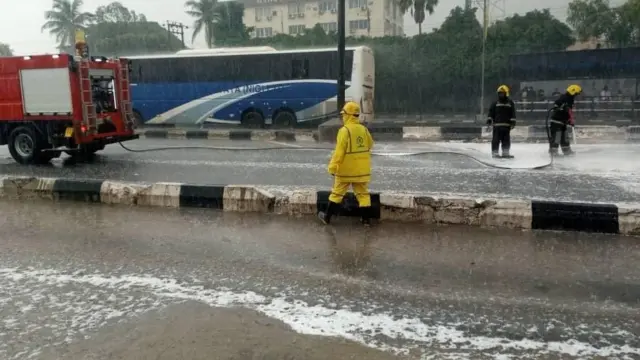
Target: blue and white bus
[{"x": 252, "y": 87}]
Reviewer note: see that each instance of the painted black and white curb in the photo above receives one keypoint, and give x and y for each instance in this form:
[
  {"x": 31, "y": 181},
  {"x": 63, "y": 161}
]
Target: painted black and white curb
[
  {"x": 531, "y": 133},
  {"x": 403, "y": 207},
  {"x": 219, "y": 134}
]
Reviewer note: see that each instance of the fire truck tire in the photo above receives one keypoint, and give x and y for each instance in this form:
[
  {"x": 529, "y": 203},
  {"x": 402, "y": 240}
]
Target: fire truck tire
[{"x": 25, "y": 146}]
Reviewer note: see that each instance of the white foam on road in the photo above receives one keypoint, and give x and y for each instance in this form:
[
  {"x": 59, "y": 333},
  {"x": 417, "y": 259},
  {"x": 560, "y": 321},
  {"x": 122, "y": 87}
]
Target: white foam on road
[
  {"x": 90, "y": 312},
  {"x": 615, "y": 162}
]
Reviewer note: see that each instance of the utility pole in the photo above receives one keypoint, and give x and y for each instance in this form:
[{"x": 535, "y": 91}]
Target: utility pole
[
  {"x": 486, "y": 6},
  {"x": 485, "y": 26},
  {"x": 176, "y": 28},
  {"x": 341, "y": 52}
]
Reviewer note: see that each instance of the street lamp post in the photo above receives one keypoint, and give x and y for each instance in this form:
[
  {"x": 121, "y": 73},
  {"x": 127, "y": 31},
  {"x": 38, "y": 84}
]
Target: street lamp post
[
  {"x": 485, "y": 24},
  {"x": 341, "y": 51}
]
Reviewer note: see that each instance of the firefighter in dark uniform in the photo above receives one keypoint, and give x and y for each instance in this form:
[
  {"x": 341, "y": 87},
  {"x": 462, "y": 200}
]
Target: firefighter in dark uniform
[
  {"x": 561, "y": 119},
  {"x": 502, "y": 116}
]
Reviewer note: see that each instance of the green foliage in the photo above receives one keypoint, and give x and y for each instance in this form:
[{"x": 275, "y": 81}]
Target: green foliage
[
  {"x": 112, "y": 31},
  {"x": 64, "y": 18},
  {"x": 130, "y": 38},
  {"x": 619, "y": 26},
  {"x": 5, "y": 50},
  {"x": 418, "y": 9},
  {"x": 206, "y": 15},
  {"x": 115, "y": 12},
  {"x": 229, "y": 29}
]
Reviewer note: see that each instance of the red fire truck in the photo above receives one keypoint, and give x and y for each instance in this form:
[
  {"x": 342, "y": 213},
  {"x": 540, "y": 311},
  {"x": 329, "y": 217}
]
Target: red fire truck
[{"x": 55, "y": 103}]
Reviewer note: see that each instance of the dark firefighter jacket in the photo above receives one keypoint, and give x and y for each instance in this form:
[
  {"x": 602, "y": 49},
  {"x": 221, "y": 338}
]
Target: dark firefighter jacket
[
  {"x": 502, "y": 113},
  {"x": 562, "y": 112}
]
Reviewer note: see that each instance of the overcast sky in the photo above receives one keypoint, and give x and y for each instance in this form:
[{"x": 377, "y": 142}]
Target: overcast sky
[{"x": 21, "y": 22}]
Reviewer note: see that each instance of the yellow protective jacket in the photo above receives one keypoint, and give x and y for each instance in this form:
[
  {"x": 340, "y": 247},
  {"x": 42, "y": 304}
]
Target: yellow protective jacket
[{"x": 351, "y": 160}]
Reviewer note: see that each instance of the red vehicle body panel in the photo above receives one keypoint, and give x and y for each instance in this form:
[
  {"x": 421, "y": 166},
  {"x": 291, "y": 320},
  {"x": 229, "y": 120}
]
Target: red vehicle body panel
[{"x": 12, "y": 105}]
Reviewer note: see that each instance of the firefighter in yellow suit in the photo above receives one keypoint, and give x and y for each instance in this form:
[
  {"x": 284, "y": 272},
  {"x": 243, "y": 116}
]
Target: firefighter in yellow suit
[{"x": 350, "y": 165}]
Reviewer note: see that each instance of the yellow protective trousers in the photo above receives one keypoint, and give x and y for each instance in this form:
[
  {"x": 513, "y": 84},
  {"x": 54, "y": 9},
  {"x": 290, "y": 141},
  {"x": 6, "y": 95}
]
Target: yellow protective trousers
[{"x": 360, "y": 189}]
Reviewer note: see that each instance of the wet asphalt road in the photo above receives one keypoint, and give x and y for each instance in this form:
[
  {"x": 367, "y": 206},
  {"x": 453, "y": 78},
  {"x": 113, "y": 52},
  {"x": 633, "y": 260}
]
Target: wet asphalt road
[
  {"x": 452, "y": 174},
  {"x": 74, "y": 277}
]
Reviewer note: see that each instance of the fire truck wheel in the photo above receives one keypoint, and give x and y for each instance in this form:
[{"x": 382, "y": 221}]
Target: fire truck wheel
[{"x": 25, "y": 146}]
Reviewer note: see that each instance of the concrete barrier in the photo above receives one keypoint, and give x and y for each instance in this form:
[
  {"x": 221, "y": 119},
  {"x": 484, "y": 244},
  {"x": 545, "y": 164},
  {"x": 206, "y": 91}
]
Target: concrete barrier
[
  {"x": 327, "y": 132},
  {"x": 633, "y": 133},
  {"x": 221, "y": 134},
  {"x": 387, "y": 206}
]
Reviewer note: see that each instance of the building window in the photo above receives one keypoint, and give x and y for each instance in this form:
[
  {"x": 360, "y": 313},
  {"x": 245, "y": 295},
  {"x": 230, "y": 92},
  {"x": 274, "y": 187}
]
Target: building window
[
  {"x": 296, "y": 29},
  {"x": 353, "y": 4},
  {"x": 263, "y": 12},
  {"x": 329, "y": 27},
  {"x": 295, "y": 9},
  {"x": 264, "y": 32},
  {"x": 327, "y": 6},
  {"x": 358, "y": 25}
]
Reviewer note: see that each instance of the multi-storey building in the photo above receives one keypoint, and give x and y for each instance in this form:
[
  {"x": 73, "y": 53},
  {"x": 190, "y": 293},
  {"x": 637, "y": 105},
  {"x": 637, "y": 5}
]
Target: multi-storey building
[{"x": 364, "y": 17}]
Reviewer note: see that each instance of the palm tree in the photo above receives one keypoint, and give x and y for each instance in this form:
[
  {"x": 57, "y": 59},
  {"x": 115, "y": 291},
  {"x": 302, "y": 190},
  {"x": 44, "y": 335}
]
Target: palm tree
[
  {"x": 206, "y": 15},
  {"x": 419, "y": 9},
  {"x": 64, "y": 18}
]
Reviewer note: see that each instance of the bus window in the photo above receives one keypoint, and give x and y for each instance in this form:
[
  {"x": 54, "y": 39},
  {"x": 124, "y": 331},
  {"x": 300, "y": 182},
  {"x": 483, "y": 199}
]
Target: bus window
[{"x": 300, "y": 69}]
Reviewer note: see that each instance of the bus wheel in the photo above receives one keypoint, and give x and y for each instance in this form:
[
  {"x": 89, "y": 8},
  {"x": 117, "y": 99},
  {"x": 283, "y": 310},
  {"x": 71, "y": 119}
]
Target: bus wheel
[
  {"x": 252, "y": 119},
  {"x": 284, "y": 119},
  {"x": 25, "y": 146}
]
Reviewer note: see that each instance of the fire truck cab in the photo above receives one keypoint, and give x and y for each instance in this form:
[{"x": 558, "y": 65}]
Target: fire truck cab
[{"x": 55, "y": 103}]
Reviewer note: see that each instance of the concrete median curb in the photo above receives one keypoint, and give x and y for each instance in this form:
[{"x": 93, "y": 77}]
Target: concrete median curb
[
  {"x": 476, "y": 133},
  {"x": 387, "y": 206},
  {"x": 220, "y": 134},
  {"x": 524, "y": 133}
]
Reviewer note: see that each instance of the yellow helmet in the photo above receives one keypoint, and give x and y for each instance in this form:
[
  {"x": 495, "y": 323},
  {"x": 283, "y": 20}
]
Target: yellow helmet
[
  {"x": 351, "y": 108},
  {"x": 574, "y": 90},
  {"x": 503, "y": 89}
]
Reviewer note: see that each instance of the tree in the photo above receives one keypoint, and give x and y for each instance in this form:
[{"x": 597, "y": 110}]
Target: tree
[
  {"x": 132, "y": 38},
  {"x": 118, "y": 31},
  {"x": 419, "y": 8},
  {"x": 64, "y": 18},
  {"x": 206, "y": 16},
  {"x": 617, "y": 26},
  {"x": 229, "y": 28},
  {"x": 117, "y": 13},
  {"x": 5, "y": 50},
  {"x": 536, "y": 31}
]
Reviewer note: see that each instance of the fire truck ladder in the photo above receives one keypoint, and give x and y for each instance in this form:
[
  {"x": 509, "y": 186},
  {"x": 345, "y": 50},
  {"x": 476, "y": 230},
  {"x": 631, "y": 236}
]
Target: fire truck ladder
[
  {"x": 89, "y": 117},
  {"x": 125, "y": 95}
]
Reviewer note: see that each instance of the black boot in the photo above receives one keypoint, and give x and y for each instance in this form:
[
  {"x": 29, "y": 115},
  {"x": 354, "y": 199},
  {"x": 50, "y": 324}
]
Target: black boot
[
  {"x": 567, "y": 151},
  {"x": 365, "y": 213},
  {"x": 325, "y": 216},
  {"x": 506, "y": 154}
]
